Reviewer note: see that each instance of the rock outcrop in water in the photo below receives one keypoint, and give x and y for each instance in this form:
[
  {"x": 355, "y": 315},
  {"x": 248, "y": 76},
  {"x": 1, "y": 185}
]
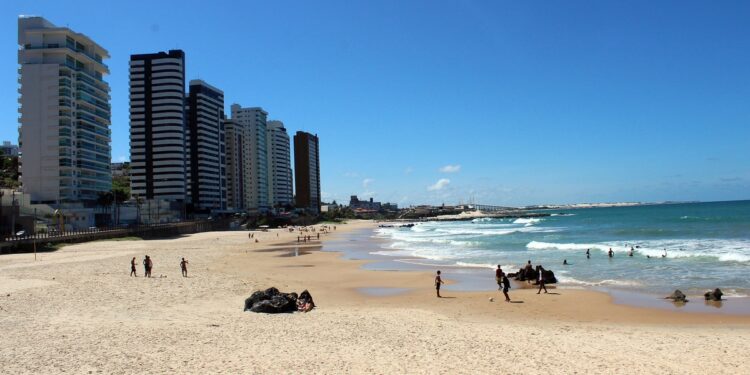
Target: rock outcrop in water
[
  {"x": 713, "y": 295},
  {"x": 677, "y": 296},
  {"x": 525, "y": 274},
  {"x": 271, "y": 301}
]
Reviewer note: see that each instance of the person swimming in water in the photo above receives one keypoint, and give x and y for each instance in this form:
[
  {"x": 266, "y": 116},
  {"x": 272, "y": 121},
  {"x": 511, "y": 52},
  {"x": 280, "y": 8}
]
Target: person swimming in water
[
  {"x": 611, "y": 253},
  {"x": 630, "y": 254},
  {"x": 588, "y": 254}
]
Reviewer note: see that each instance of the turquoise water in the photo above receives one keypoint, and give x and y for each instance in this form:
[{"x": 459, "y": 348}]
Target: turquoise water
[{"x": 707, "y": 246}]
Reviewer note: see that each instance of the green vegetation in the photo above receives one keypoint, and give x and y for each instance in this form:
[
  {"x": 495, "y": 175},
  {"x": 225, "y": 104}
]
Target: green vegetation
[{"x": 9, "y": 172}]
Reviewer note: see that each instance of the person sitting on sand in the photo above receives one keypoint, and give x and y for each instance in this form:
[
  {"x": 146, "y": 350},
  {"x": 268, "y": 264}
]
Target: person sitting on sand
[
  {"x": 183, "y": 267},
  {"x": 305, "y": 302},
  {"x": 506, "y": 286},
  {"x": 438, "y": 282},
  {"x": 132, "y": 268},
  {"x": 499, "y": 277},
  {"x": 540, "y": 271}
]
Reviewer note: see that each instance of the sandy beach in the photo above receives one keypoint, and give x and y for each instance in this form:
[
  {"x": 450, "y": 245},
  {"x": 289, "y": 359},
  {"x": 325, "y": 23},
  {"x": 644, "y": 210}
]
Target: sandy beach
[{"x": 76, "y": 310}]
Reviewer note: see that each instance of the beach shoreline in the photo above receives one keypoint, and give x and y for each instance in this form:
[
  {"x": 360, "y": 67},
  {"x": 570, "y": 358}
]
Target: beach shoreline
[{"x": 77, "y": 311}]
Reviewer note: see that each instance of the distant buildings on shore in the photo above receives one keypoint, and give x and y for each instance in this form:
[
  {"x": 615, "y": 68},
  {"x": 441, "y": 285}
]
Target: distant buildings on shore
[
  {"x": 186, "y": 155},
  {"x": 8, "y": 149},
  {"x": 370, "y": 206}
]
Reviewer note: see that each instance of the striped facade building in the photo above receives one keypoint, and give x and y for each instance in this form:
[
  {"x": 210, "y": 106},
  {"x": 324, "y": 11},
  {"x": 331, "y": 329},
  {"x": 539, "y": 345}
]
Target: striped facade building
[
  {"x": 234, "y": 135},
  {"x": 252, "y": 122},
  {"x": 205, "y": 148},
  {"x": 157, "y": 126},
  {"x": 279, "y": 165}
]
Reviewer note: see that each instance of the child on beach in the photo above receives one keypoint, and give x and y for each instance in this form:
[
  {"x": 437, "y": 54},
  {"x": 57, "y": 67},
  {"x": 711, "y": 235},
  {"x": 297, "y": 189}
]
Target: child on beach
[
  {"x": 438, "y": 281},
  {"x": 540, "y": 271},
  {"x": 183, "y": 267},
  {"x": 506, "y": 286},
  {"x": 499, "y": 277}
]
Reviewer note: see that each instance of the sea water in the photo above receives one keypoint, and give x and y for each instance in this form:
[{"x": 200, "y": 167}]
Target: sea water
[{"x": 707, "y": 246}]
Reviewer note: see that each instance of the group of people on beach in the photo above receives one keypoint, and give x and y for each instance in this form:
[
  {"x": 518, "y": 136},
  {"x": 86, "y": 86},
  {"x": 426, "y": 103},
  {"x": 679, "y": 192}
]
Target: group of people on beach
[
  {"x": 503, "y": 283},
  {"x": 148, "y": 265}
]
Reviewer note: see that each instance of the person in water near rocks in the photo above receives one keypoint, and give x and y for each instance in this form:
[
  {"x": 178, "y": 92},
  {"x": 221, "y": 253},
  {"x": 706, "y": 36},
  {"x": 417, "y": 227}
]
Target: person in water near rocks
[
  {"x": 527, "y": 271},
  {"x": 540, "y": 278},
  {"x": 438, "y": 282},
  {"x": 499, "y": 277}
]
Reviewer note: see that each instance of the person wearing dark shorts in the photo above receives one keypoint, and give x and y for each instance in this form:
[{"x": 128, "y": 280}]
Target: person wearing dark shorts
[
  {"x": 132, "y": 268},
  {"x": 183, "y": 267},
  {"x": 506, "y": 286},
  {"x": 499, "y": 277},
  {"x": 438, "y": 281}
]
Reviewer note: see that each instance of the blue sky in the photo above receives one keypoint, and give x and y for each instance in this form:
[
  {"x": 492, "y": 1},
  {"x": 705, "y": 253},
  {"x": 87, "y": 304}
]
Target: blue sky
[{"x": 523, "y": 102}]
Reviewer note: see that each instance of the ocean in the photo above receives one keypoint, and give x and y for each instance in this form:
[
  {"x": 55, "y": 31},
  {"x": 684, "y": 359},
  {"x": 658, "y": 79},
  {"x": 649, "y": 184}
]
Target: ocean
[{"x": 707, "y": 246}]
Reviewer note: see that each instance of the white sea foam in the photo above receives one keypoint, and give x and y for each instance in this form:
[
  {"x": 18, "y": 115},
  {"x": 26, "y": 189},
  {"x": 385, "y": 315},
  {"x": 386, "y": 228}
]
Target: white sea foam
[
  {"x": 723, "y": 250},
  {"x": 475, "y": 265},
  {"x": 608, "y": 282},
  {"x": 527, "y": 221}
]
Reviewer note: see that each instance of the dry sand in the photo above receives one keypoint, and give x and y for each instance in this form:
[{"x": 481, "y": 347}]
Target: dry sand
[{"x": 77, "y": 311}]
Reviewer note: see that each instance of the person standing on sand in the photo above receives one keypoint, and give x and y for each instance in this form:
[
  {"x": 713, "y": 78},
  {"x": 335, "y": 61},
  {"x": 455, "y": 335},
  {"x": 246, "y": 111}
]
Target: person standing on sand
[
  {"x": 499, "y": 277},
  {"x": 183, "y": 267},
  {"x": 145, "y": 266},
  {"x": 149, "y": 265},
  {"x": 540, "y": 278},
  {"x": 132, "y": 268},
  {"x": 438, "y": 281},
  {"x": 506, "y": 286}
]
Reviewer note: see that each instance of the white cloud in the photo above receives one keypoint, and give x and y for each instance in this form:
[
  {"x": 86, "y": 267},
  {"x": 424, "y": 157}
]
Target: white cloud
[
  {"x": 439, "y": 185},
  {"x": 366, "y": 182},
  {"x": 451, "y": 168}
]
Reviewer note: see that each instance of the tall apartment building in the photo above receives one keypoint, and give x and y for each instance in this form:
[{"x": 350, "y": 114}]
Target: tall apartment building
[
  {"x": 279, "y": 164},
  {"x": 64, "y": 134},
  {"x": 157, "y": 125},
  {"x": 307, "y": 171},
  {"x": 206, "y": 151},
  {"x": 234, "y": 138},
  {"x": 253, "y": 124}
]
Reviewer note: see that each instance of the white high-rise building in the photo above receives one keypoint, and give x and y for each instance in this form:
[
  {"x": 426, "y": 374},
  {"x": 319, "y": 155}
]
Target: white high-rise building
[
  {"x": 279, "y": 164},
  {"x": 157, "y": 126},
  {"x": 255, "y": 165},
  {"x": 206, "y": 160},
  {"x": 64, "y": 134}
]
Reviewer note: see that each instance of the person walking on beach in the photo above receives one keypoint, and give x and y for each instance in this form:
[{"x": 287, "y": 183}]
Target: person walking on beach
[
  {"x": 499, "y": 277},
  {"x": 132, "y": 268},
  {"x": 540, "y": 278},
  {"x": 506, "y": 286},
  {"x": 588, "y": 254},
  {"x": 145, "y": 266},
  {"x": 438, "y": 282},
  {"x": 183, "y": 267}
]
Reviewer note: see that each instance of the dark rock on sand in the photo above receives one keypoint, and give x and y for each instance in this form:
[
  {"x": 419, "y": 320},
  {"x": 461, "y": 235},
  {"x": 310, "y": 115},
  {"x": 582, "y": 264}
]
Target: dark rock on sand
[
  {"x": 524, "y": 274},
  {"x": 713, "y": 295},
  {"x": 271, "y": 301},
  {"x": 677, "y": 296}
]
